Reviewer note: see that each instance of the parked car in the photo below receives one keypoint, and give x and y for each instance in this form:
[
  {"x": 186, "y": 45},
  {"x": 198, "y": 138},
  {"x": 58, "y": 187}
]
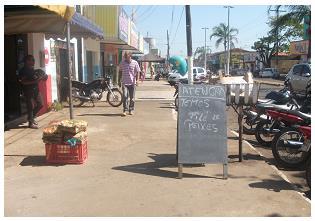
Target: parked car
[
  {"x": 298, "y": 77},
  {"x": 269, "y": 72},
  {"x": 198, "y": 73},
  {"x": 175, "y": 77}
]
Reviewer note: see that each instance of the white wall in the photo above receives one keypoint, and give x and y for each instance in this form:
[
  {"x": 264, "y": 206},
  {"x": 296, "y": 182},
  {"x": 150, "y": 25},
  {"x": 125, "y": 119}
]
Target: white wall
[
  {"x": 35, "y": 47},
  {"x": 94, "y": 46},
  {"x": 51, "y": 70}
]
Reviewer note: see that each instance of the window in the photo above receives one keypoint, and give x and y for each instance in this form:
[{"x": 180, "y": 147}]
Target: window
[
  {"x": 200, "y": 70},
  {"x": 297, "y": 70},
  {"x": 195, "y": 71}
]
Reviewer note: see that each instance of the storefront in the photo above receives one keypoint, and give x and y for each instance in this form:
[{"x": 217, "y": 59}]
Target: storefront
[
  {"x": 15, "y": 49},
  {"x": 300, "y": 48},
  {"x": 57, "y": 67},
  {"x": 118, "y": 29},
  {"x": 250, "y": 61},
  {"x": 25, "y": 29}
]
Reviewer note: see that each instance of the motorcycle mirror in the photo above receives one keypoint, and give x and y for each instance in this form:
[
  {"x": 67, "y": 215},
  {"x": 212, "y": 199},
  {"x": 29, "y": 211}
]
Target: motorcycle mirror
[{"x": 306, "y": 75}]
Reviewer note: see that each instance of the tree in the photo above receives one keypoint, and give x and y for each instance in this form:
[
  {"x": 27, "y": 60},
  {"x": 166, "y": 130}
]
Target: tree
[
  {"x": 288, "y": 27},
  {"x": 266, "y": 47},
  {"x": 199, "y": 55},
  {"x": 221, "y": 33},
  {"x": 294, "y": 18}
]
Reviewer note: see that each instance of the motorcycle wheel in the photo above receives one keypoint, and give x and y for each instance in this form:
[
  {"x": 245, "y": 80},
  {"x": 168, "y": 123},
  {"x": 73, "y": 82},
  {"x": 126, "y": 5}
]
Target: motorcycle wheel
[
  {"x": 262, "y": 137},
  {"x": 248, "y": 129},
  {"x": 76, "y": 102},
  {"x": 308, "y": 172},
  {"x": 114, "y": 98},
  {"x": 285, "y": 156}
]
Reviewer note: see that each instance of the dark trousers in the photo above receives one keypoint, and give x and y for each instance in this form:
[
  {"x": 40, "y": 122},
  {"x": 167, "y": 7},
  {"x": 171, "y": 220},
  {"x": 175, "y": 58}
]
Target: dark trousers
[
  {"x": 129, "y": 92},
  {"x": 34, "y": 104}
]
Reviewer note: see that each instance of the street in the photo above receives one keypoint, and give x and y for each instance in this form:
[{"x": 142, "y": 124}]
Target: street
[{"x": 132, "y": 170}]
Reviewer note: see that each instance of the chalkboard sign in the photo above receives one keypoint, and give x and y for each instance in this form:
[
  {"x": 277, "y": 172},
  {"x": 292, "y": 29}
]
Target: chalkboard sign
[{"x": 201, "y": 125}]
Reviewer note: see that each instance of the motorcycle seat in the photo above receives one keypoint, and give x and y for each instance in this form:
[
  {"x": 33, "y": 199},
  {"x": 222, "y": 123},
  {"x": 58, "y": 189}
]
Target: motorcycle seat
[
  {"x": 274, "y": 106},
  {"x": 265, "y": 101},
  {"x": 76, "y": 83}
]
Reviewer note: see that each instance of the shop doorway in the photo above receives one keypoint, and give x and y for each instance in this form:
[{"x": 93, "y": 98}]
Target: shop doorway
[
  {"x": 89, "y": 65},
  {"x": 63, "y": 87},
  {"x": 15, "y": 49},
  {"x": 62, "y": 68}
]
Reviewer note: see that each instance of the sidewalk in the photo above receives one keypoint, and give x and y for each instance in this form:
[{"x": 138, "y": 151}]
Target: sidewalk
[{"x": 131, "y": 171}]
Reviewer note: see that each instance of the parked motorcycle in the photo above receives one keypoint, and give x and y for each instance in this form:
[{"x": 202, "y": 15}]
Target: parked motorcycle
[
  {"x": 93, "y": 91},
  {"x": 308, "y": 172},
  {"x": 292, "y": 146},
  {"x": 157, "y": 76},
  {"x": 264, "y": 135},
  {"x": 252, "y": 115}
]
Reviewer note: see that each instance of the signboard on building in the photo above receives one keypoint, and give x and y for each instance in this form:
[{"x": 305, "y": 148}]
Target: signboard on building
[
  {"x": 133, "y": 35},
  {"x": 140, "y": 42},
  {"x": 123, "y": 26},
  {"x": 299, "y": 47}
]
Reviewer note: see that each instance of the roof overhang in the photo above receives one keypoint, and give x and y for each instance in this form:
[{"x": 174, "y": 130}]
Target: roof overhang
[
  {"x": 48, "y": 20},
  {"x": 151, "y": 58},
  {"x": 119, "y": 45}
]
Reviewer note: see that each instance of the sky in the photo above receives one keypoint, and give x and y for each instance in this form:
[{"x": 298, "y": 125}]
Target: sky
[{"x": 156, "y": 19}]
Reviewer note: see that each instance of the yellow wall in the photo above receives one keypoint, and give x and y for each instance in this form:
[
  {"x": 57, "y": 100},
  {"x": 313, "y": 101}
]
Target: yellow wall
[
  {"x": 284, "y": 65},
  {"x": 104, "y": 16}
]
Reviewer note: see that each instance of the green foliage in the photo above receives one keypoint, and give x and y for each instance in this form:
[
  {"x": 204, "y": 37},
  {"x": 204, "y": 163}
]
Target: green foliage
[
  {"x": 56, "y": 106},
  {"x": 221, "y": 33},
  {"x": 266, "y": 47},
  {"x": 288, "y": 26}
]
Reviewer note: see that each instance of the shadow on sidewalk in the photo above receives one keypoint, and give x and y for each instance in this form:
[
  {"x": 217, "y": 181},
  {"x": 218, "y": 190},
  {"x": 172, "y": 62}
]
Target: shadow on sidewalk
[
  {"x": 246, "y": 156},
  {"x": 155, "y": 168},
  {"x": 104, "y": 115},
  {"x": 168, "y": 107},
  {"x": 37, "y": 161},
  {"x": 17, "y": 126},
  {"x": 272, "y": 185}
]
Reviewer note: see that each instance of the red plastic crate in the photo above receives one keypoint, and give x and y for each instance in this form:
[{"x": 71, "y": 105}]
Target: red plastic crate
[{"x": 64, "y": 153}]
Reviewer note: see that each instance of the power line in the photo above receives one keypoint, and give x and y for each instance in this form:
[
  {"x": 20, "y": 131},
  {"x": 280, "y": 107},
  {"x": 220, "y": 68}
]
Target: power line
[
  {"x": 137, "y": 9},
  {"x": 146, "y": 11},
  {"x": 178, "y": 23},
  {"x": 149, "y": 12},
  {"x": 172, "y": 20}
]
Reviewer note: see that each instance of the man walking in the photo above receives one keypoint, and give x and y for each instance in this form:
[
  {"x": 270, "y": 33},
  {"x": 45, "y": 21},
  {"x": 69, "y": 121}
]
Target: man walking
[
  {"x": 130, "y": 73},
  {"x": 29, "y": 80}
]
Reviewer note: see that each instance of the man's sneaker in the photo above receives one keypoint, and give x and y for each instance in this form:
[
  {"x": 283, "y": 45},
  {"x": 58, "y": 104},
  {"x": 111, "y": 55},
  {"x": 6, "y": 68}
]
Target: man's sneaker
[
  {"x": 33, "y": 126},
  {"x": 131, "y": 112},
  {"x": 124, "y": 114}
]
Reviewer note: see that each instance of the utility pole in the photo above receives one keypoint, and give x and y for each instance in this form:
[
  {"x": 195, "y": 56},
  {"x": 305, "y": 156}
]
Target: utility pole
[
  {"x": 132, "y": 14},
  {"x": 189, "y": 44},
  {"x": 205, "y": 47},
  {"x": 277, "y": 34},
  {"x": 168, "y": 48},
  {"x": 228, "y": 46},
  {"x": 79, "y": 48},
  {"x": 69, "y": 70}
]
